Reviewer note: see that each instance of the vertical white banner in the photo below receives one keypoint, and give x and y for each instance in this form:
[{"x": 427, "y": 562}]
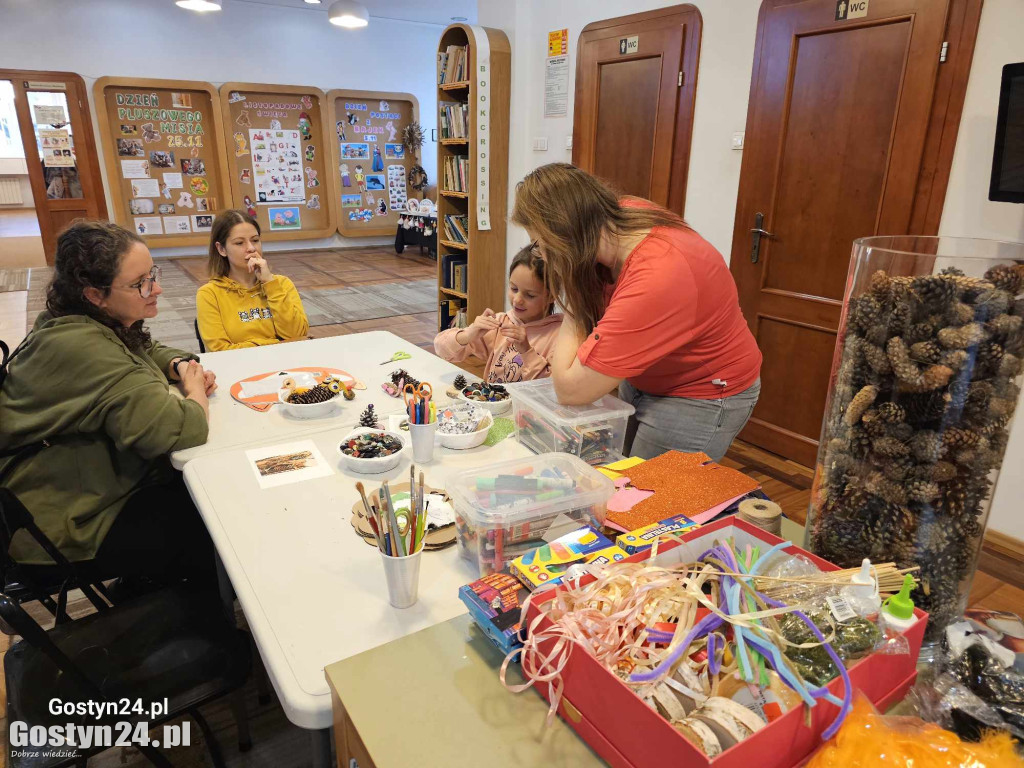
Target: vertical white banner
[{"x": 482, "y": 105}]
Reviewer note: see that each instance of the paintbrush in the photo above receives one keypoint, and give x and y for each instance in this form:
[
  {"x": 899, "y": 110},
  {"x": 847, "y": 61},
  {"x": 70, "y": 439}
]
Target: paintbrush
[
  {"x": 362, "y": 495},
  {"x": 396, "y": 537}
]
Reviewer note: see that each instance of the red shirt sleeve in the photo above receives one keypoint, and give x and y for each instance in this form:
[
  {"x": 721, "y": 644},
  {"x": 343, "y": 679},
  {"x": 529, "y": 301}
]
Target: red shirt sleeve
[{"x": 653, "y": 311}]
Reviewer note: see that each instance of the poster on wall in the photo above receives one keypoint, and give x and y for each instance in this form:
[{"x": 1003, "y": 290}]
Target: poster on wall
[
  {"x": 277, "y": 166},
  {"x": 278, "y": 159},
  {"x": 55, "y": 144},
  {"x": 372, "y": 160},
  {"x": 164, "y": 139}
]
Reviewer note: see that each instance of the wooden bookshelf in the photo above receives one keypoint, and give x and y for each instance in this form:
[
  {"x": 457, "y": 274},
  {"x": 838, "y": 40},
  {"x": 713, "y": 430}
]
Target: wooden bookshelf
[{"x": 485, "y": 250}]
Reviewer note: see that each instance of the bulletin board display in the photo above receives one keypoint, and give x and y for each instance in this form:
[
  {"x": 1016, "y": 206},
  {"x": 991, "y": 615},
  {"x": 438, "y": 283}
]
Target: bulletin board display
[
  {"x": 163, "y": 146},
  {"x": 371, "y": 163},
  {"x": 279, "y": 158}
]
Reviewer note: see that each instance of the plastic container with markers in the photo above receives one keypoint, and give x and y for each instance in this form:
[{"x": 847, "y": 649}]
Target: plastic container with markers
[{"x": 507, "y": 509}]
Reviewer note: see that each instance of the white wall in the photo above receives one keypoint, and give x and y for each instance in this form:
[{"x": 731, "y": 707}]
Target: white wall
[
  {"x": 246, "y": 41},
  {"x": 969, "y": 213},
  {"x": 727, "y": 54},
  {"x": 723, "y": 85}
]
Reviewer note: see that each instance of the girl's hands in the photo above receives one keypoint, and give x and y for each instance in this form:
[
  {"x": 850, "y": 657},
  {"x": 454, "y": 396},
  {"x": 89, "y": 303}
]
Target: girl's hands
[
  {"x": 259, "y": 267},
  {"x": 518, "y": 334},
  {"x": 483, "y": 323}
]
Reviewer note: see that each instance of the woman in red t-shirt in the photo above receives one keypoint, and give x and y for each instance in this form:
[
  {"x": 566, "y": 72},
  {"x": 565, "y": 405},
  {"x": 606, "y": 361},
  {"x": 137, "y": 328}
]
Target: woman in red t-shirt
[{"x": 651, "y": 307}]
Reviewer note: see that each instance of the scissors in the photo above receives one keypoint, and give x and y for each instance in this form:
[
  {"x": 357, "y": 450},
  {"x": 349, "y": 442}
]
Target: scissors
[
  {"x": 398, "y": 356},
  {"x": 417, "y": 398}
]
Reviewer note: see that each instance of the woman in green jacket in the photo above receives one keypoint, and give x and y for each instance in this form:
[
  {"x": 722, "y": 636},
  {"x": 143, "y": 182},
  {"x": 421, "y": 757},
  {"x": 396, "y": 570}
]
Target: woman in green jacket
[{"x": 89, "y": 380}]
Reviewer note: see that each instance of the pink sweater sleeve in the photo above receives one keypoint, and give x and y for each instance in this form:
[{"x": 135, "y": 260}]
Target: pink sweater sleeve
[
  {"x": 536, "y": 363},
  {"x": 448, "y": 347}
]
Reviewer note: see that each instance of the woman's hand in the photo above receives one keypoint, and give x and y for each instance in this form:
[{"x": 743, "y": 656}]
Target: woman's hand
[
  {"x": 210, "y": 378},
  {"x": 483, "y": 323},
  {"x": 193, "y": 383},
  {"x": 259, "y": 267},
  {"x": 518, "y": 334}
]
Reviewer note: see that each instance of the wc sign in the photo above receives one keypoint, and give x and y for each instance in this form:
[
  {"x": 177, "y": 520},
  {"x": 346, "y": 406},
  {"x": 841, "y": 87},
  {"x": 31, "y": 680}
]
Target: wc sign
[
  {"x": 628, "y": 45},
  {"x": 851, "y": 9}
]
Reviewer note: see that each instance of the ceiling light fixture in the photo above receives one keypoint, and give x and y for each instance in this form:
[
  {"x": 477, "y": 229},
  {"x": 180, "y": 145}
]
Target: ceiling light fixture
[
  {"x": 348, "y": 14},
  {"x": 202, "y": 6},
  {"x": 313, "y": 2},
  {"x": 459, "y": 18}
]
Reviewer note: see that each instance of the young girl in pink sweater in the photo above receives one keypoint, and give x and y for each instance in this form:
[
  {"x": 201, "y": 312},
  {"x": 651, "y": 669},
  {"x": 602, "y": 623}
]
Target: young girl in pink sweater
[{"x": 516, "y": 344}]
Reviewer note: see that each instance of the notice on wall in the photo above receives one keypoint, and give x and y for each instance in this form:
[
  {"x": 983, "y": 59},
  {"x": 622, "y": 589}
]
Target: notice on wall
[
  {"x": 556, "y": 86},
  {"x": 277, "y": 166},
  {"x": 56, "y": 148},
  {"x": 558, "y": 42}
]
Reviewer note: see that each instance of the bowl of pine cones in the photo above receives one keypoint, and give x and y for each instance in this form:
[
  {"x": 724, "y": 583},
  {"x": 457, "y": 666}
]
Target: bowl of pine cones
[{"x": 312, "y": 402}]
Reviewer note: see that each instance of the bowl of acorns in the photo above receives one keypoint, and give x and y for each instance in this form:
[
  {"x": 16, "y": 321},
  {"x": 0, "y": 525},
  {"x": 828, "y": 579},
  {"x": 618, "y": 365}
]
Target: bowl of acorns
[
  {"x": 370, "y": 451},
  {"x": 492, "y": 397},
  {"x": 313, "y": 402}
]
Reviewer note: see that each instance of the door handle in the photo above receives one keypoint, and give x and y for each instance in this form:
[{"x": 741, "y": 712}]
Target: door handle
[{"x": 757, "y": 232}]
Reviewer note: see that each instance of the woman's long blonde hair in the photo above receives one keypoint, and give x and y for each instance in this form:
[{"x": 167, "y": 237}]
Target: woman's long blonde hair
[{"x": 569, "y": 210}]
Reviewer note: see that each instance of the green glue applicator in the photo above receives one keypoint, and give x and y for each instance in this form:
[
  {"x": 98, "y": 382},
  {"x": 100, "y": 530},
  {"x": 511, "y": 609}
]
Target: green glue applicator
[{"x": 898, "y": 610}]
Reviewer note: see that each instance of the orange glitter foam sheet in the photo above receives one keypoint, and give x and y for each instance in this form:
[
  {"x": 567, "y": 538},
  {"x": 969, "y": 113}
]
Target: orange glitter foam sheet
[{"x": 683, "y": 484}]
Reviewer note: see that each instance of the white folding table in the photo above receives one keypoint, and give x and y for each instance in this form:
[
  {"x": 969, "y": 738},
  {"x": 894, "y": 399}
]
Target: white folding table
[{"x": 233, "y": 425}]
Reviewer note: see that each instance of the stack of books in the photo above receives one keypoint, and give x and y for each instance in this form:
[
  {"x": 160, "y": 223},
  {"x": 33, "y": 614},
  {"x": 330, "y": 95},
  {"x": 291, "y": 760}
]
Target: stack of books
[
  {"x": 456, "y": 228},
  {"x": 456, "y": 174},
  {"x": 454, "y": 120},
  {"x": 453, "y": 270},
  {"x": 452, "y": 65}
]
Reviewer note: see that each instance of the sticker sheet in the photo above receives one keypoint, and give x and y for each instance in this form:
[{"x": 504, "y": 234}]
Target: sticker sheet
[
  {"x": 277, "y": 166},
  {"x": 396, "y": 187}
]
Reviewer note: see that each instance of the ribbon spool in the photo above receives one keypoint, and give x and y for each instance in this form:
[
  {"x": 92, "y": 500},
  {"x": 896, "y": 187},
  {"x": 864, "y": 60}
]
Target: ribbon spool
[{"x": 766, "y": 515}]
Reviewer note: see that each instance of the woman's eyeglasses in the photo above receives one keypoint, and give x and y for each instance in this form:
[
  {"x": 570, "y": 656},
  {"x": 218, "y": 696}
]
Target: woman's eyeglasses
[{"x": 146, "y": 284}]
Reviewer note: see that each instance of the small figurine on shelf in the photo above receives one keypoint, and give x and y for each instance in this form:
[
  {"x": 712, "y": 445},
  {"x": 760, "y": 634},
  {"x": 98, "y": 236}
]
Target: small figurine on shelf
[{"x": 368, "y": 418}]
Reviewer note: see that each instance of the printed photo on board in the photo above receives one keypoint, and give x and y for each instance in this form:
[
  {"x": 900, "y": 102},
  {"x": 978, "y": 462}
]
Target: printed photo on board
[
  {"x": 193, "y": 167},
  {"x": 130, "y": 148},
  {"x": 375, "y": 182},
  {"x": 202, "y": 223},
  {"x": 140, "y": 206},
  {"x": 351, "y": 201},
  {"x": 129, "y": 130},
  {"x": 181, "y": 100},
  {"x": 284, "y": 218},
  {"x": 394, "y": 151},
  {"x": 161, "y": 159},
  {"x": 355, "y": 151}
]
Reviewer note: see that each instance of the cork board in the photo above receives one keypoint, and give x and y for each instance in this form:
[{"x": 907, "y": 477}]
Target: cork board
[
  {"x": 163, "y": 148},
  {"x": 279, "y": 158},
  {"x": 371, "y": 164}
]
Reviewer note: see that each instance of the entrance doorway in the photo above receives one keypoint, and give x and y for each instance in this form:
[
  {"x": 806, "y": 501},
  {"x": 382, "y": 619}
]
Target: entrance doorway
[{"x": 49, "y": 174}]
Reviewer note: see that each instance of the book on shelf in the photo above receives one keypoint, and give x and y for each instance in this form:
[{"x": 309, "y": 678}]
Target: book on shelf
[
  {"x": 449, "y": 265},
  {"x": 452, "y": 313},
  {"x": 456, "y": 228},
  {"x": 456, "y": 173},
  {"x": 452, "y": 65},
  {"x": 453, "y": 119},
  {"x": 459, "y": 277}
]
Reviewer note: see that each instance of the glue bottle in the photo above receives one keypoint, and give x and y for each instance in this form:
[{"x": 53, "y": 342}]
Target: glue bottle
[
  {"x": 862, "y": 594},
  {"x": 898, "y": 610}
]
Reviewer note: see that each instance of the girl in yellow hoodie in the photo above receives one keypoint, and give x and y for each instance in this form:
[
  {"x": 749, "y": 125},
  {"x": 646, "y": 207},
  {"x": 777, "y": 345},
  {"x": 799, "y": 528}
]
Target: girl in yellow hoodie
[{"x": 245, "y": 304}]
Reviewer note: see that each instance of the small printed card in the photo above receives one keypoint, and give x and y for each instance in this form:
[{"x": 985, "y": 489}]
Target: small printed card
[{"x": 288, "y": 463}]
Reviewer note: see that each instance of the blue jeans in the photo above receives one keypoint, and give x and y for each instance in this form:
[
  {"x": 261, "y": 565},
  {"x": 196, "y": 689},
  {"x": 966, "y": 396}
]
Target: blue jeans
[{"x": 685, "y": 424}]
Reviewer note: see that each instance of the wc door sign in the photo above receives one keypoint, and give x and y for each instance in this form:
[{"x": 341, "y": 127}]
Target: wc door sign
[
  {"x": 628, "y": 45},
  {"x": 851, "y": 9}
]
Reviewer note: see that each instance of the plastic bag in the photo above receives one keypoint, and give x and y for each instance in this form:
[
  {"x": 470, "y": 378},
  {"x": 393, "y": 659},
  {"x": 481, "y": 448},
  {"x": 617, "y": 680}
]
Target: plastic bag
[
  {"x": 1001, "y": 687},
  {"x": 948, "y": 702},
  {"x": 868, "y": 739}
]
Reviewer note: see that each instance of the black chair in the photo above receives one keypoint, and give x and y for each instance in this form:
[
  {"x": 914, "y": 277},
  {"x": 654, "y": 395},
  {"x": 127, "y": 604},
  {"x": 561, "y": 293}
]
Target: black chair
[
  {"x": 202, "y": 347},
  {"x": 175, "y": 644}
]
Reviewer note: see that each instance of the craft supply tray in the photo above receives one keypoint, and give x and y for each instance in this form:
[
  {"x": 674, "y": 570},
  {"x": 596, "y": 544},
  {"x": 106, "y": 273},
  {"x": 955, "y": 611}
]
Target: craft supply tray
[
  {"x": 624, "y": 731},
  {"x": 596, "y": 432},
  {"x": 496, "y": 526}
]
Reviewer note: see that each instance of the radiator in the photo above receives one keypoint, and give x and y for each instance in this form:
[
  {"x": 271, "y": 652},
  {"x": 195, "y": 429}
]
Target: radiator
[{"x": 10, "y": 191}]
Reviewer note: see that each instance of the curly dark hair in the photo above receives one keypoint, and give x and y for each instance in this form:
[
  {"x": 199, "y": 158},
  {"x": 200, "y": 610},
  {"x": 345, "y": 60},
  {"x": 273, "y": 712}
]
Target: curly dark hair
[{"x": 89, "y": 256}]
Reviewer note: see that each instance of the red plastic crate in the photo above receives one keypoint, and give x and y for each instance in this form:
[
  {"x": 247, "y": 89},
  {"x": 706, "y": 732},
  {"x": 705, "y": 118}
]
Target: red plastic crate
[{"x": 625, "y": 732}]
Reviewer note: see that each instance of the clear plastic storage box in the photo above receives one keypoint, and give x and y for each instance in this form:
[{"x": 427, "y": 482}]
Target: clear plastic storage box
[
  {"x": 507, "y": 509},
  {"x": 596, "y": 432}
]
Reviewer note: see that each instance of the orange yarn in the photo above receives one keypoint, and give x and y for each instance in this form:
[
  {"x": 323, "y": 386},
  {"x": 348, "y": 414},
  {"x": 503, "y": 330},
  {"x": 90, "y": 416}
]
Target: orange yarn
[{"x": 870, "y": 740}]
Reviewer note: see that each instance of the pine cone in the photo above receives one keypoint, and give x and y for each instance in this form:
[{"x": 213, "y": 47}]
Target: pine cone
[
  {"x": 368, "y": 418},
  {"x": 955, "y": 439},
  {"x": 460, "y": 382},
  {"x": 881, "y": 285},
  {"x": 952, "y": 272},
  {"x": 865, "y": 313},
  {"x": 1009, "y": 366},
  {"x": 401, "y": 377},
  {"x": 1000, "y": 407},
  {"x": 926, "y": 445},
  {"x": 1005, "y": 325},
  {"x": 926, "y": 352},
  {"x": 954, "y": 359},
  {"x": 943, "y": 471},
  {"x": 959, "y": 313},
  {"x": 860, "y": 442},
  {"x": 934, "y": 377},
  {"x": 321, "y": 393},
  {"x": 922, "y": 490},
  {"x": 934, "y": 291},
  {"x": 902, "y": 365},
  {"x": 876, "y": 358},
  {"x": 860, "y": 403},
  {"x": 890, "y": 447},
  {"x": 892, "y": 492},
  {"x": 891, "y": 413},
  {"x": 924, "y": 407},
  {"x": 918, "y": 332},
  {"x": 992, "y": 303},
  {"x": 1007, "y": 278},
  {"x": 962, "y": 337}
]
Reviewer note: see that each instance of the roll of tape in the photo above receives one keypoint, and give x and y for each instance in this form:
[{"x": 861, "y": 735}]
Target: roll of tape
[{"x": 766, "y": 515}]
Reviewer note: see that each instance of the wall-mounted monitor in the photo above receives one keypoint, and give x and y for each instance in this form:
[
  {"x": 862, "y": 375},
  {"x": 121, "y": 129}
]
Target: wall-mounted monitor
[{"x": 1007, "y": 183}]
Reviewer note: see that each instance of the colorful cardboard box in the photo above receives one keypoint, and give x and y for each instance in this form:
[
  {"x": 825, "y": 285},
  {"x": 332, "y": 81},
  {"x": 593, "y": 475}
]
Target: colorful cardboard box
[
  {"x": 643, "y": 538},
  {"x": 628, "y": 734},
  {"x": 548, "y": 564}
]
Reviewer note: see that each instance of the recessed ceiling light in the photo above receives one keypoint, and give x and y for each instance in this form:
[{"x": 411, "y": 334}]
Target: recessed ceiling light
[
  {"x": 459, "y": 18},
  {"x": 348, "y": 14},
  {"x": 313, "y": 2},
  {"x": 199, "y": 5}
]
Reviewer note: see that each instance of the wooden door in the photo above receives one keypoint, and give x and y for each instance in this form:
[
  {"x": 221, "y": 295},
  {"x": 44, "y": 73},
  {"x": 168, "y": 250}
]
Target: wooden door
[
  {"x": 836, "y": 127},
  {"x": 636, "y": 78},
  {"x": 60, "y": 150}
]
